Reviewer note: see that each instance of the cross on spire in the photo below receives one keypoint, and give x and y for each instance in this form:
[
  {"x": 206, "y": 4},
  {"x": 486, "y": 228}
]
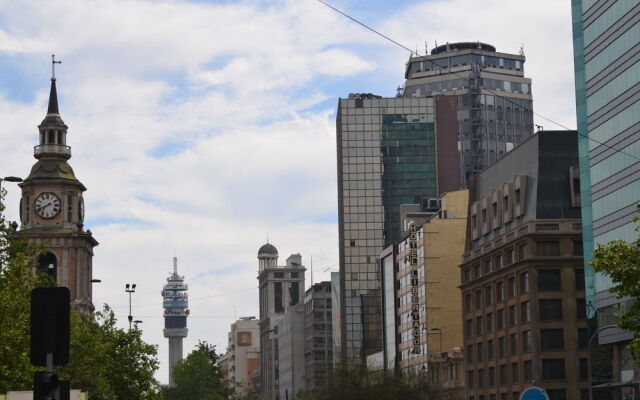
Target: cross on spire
[{"x": 53, "y": 66}]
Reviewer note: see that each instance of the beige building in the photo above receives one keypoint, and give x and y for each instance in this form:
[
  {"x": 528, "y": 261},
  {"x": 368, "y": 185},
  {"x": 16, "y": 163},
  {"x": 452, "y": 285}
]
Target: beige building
[
  {"x": 243, "y": 354},
  {"x": 426, "y": 303}
]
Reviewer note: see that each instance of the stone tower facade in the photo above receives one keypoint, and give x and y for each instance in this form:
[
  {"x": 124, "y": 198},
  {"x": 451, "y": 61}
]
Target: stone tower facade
[{"x": 52, "y": 211}]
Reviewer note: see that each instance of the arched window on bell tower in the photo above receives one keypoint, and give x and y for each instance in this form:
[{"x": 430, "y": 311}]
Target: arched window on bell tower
[{"x": 48, "y": 264}]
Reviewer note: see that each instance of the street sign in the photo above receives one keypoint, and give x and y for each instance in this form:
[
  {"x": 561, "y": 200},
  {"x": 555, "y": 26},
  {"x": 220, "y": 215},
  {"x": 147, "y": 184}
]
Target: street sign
[
  {"x": 534, "y": 393},
  {"x": 50, "y": 322}
]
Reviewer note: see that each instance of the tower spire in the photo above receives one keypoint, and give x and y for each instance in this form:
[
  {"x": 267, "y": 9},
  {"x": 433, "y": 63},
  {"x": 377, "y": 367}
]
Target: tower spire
[{"x": 53, "y": 94}]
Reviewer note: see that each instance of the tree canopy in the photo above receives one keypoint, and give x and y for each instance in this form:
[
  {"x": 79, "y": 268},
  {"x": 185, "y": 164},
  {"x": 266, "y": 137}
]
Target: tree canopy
[
  {"x": 107, "y": 362},
  {"x": 620, "y": 260},
  {"x": 198, "y": 377}
]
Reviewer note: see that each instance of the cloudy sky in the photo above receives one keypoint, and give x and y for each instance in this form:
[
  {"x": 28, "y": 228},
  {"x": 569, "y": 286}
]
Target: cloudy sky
[{"x": 202, "y": 127}]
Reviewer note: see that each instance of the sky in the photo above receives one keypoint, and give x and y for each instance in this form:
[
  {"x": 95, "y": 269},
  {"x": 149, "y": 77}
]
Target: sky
[{"x": 202, "y": 128}]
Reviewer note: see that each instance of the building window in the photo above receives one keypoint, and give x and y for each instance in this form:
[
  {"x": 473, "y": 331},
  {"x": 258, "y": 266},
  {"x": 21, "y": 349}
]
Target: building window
[
  {"x": 551, "y": 339},
  {"x": 513, "y": 317},
  {"x": 352, "y": 243},
  {"x": 488, "y": 291},
  {"x": 584, "y": 369},
  {"x": 527, "y": 341},
  {"x": 469, "y": 353},
  {"x": 503, "y": 375},
  {"x": 524, "y": 283},
  {"x": 522, "y": 250},
  {"x": 548, "y": 248},
  {"x": 525, "y": 312},
  {"x": 527, "y": 371},
  {"x": 509, "y": 257},
  {"x": 549, "y": 279},
  {"x": 480, "y": 378},
  {"x": 471, "y": 379},
  {"x": 553, "y": 369},
  {"x": 478, "y": 299},
  {"x": 579, "y": 275},
  {"x": 498, "y": 261},
  {"x": 513, "y": 344},
  {"x": 278, "y": 275},
  {"x": 501, "y": 347},
  {"x": 577, "y": 248},
  {"x": 468, "y": 328},
  {"x": 492, "y": 376},
  {"x": 468, "y": 306},
  {"x": 581, "y": 309},
  {"x": 480, "y": 351},
  {"x": 500, "y": 291},
  {"x": 583, "y": 338},
  {"x": 476, "y": 271},
  {"x": 500, "y": 317},
  {"x": 466, "y": 275},
  {"x": 491, "y": 349},
  {"x": 511, "y": 284},
  {"x": 550, "y": 309},
  {"x": 515, "y": 373},
  {"x": 479, "y": 326},
  {"x": 489, "y": 323},
  {"x": 487, "y": 266},
  {"x": 557, "y": 394}
]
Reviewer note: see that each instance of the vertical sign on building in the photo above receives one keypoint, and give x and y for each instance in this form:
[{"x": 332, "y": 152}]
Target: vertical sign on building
[{"x": 415, "y": 297}]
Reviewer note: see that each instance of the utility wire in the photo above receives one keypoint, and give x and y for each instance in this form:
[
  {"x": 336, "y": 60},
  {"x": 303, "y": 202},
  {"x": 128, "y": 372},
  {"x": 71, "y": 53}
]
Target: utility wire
[
  {"x": 616, "y": 150},
  {"x": 193, "y": 299}
]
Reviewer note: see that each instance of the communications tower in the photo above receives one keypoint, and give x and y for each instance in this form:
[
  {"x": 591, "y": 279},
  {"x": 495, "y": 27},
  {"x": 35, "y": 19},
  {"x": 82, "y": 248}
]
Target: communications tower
[{"x": 175, "y": 303}]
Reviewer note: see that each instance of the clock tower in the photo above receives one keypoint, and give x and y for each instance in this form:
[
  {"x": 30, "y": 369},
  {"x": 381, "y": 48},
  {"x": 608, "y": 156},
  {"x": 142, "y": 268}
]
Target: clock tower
[{"x": 52, "y": 211}]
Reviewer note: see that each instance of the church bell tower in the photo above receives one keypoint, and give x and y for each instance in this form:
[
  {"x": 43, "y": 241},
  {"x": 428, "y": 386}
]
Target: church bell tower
[{"x": 52, "y": 210}]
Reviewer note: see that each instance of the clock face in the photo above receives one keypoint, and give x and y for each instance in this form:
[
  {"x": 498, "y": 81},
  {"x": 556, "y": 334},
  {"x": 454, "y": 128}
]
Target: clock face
[
  {"x": 81, "y": 209},
  {"x": 47, "y": 205}
]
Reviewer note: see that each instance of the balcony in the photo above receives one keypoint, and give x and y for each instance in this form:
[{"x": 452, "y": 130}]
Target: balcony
[{"x": 53, "y": 149}]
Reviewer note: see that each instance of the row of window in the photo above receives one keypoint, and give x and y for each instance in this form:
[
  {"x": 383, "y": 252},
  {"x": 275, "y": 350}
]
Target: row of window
[
  {"x": 554, "y": 394},
  {"x": 550, "y": 340},
  {"x": 548, "y": 310},
  {"x": 466, "y": 59},
  {"x": 548, "y": 280}
]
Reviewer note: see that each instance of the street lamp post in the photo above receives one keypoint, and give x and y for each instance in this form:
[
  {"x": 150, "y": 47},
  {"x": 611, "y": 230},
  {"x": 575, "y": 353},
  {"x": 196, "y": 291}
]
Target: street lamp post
[
  {"x": 9, "y": 179},
  {"x": 130, "y": 288},
  {"x": 439, "y": 359},
  {"x": 593, "y": 336}
]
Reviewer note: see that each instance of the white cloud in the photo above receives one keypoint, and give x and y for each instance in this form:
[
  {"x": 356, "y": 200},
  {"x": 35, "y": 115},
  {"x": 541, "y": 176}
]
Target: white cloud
[{"x": 199, "y": 129}]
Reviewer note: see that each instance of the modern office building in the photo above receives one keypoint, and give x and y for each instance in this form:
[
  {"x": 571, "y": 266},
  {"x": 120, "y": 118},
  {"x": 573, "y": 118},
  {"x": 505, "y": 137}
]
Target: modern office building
[
  {"x": 242, "y": 358},
  {"x": 606, "y": 37},
  {"x": 483, "y": 98},
  {"x": 336, "y": 311},
  {"x": 386, "y": 157},
  {"x": 522, "y": 281},
  {"x": 175, "y": 301},
  {"x": 318, "y": 344},
  {"x": 423, "y": 328},
  {"x": 280, "y": 289}
]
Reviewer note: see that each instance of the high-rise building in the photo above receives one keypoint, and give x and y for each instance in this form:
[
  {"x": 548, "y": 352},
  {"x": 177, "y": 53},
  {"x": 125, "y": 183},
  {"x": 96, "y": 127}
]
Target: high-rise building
[
  {"x": 318, "y": 345},
  {"x": 606, "y": 38},
  {"x": 386, "y": 157},
  {"x": 390, "y": 153},
  {"x": 52, "y": 211},
  {"x": 291, "y": 352},
  {"x": 175, "y": 302},
  {"x": 242, "y": 358},
  {"x": 280, "y": 289},
  {"x": 522, "y": 277},
  {"x": 484, "y": 100}
]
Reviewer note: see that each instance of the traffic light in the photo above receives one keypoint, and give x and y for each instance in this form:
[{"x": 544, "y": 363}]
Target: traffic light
[
  {"x": 45, "y": 384},
  {"x": 50, "y": 323}
]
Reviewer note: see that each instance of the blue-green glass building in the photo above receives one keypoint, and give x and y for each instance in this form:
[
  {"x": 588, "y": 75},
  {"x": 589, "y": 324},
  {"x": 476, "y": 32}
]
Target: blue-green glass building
[{"x": 606, "y": 41}]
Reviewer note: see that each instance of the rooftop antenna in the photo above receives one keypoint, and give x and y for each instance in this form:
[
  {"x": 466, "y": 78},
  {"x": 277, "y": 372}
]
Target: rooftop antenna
[
  {"x": 312, "y": 270},
  {"x": 426, "y": 47},
  {"x": 53, "y": 66},
  {"x": 267, "y": 238},
  {"x": 175, "y": 265},
  {"x": 522, "y": 49}
]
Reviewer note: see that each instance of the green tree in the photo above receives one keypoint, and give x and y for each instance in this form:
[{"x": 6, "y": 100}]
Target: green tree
[
  {"x": 198, "y": 377},
  {"x": 108, "y": 362},
  {"x": 620, "y": 260}
]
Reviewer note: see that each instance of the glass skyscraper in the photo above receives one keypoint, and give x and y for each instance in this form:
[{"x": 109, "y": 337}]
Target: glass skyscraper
[
  {"x": 386, "y": 157},
  {"x": 606, "y": 40}
]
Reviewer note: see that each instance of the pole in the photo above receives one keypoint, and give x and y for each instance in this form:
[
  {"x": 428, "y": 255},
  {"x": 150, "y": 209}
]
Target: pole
[
  {"x": 130, "y": 317},
  {"x": 589, "y": 355}
]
